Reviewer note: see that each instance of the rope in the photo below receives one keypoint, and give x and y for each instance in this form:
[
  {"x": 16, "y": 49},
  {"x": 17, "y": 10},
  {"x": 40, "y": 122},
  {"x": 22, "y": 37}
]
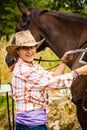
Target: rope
[
  {"x": 41, "y": 60},
  {"x": 52, "y": 67},
  {"x": 73, "y": 51}
]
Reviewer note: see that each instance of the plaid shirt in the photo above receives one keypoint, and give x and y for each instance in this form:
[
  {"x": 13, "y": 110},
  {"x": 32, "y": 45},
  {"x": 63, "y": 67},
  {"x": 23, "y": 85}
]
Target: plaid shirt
[{"x": 31, "y": 83}]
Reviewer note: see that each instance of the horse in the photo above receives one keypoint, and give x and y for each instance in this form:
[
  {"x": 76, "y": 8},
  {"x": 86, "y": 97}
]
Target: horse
[{"x": 62, "y": 32}]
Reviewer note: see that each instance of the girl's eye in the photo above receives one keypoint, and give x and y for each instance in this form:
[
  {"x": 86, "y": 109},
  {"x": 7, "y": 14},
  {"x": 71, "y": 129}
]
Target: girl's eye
[
  {"x": 32, "y": 47},
  {"x": 25, "y": 48},
  {"x": 28, "y": 47}
]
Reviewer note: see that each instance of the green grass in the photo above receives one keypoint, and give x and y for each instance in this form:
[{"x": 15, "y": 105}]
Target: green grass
[{"x": 3, "y": 112}]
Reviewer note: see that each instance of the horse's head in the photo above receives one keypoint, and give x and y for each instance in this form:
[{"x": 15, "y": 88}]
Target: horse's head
[{"x": 30, "y": 20}]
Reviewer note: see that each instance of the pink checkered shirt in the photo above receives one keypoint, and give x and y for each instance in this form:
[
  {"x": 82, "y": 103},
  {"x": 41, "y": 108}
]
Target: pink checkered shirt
[{"x": 31, "y": 83}]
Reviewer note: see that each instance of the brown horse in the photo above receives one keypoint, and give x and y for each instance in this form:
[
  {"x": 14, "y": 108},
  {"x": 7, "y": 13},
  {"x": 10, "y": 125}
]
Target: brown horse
[{"x": 62, "y": 32}]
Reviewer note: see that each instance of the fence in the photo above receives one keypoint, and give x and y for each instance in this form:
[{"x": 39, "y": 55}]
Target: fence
[{"x": 6, "y": 89}]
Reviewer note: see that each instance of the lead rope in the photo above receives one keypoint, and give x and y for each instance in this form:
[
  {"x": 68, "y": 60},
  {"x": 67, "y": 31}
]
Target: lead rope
[
  {"x": 73, "y": 51},
  {"x": 41, "y": 60}
]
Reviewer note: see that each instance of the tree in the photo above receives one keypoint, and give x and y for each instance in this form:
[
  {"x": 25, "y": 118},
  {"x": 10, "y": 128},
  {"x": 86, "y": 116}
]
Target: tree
[{"x": 10, "y": 15}]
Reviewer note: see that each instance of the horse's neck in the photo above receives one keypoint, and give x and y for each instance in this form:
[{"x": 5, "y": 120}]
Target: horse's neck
[{"x": 63, "y": 33}]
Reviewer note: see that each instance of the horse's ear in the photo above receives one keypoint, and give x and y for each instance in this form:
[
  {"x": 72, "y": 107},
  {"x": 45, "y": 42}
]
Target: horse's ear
[
  {"x": 22, "y": 9},
  {"x": 31, "y": 5}
]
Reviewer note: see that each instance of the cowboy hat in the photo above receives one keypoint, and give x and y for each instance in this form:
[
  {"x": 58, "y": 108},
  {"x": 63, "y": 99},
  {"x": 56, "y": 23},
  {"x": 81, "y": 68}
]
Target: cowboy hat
[{"x": 23, "y": 38}]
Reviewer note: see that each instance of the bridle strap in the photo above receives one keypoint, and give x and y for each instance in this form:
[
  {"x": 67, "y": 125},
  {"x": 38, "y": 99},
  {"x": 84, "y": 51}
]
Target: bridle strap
[
  {"x": 83, "y": 44},
  {"x": 80, "y": 50}
]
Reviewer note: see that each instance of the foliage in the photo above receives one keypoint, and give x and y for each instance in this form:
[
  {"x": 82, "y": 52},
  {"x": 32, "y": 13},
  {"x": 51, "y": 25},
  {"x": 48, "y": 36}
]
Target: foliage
[
  {"x": 3, "y": 112},
  {"x": 10, "y": 15},
  {"x": 5, "y": 74},
  {"x": 2, "y": 99}
]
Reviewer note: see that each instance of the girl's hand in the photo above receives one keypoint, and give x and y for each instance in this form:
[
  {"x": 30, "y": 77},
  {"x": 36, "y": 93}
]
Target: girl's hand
[{"x": 68, "y": 56}]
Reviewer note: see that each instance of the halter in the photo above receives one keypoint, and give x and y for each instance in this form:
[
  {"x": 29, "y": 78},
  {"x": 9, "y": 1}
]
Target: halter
[{"x": 83, "y": 44}]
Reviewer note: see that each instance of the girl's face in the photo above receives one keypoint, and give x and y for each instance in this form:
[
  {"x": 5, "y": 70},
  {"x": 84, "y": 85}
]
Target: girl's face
[{"x": 27, "y": 53}]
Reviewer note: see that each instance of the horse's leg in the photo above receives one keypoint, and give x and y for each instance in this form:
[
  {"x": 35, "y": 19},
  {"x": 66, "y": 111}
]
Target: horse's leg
[{"x": 82, "y": 116}]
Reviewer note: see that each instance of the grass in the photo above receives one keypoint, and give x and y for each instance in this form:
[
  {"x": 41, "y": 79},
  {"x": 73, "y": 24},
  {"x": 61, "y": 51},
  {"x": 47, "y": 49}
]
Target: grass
[{"x": 4, "y": 113}]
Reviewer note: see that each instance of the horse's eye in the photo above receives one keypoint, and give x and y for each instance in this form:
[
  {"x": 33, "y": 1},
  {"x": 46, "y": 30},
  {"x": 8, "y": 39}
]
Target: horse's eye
[{"x": 24, "y": 18}]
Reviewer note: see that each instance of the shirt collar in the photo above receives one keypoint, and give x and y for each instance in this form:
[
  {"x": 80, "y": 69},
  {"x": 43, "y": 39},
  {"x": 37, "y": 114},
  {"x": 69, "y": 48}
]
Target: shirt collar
[{"x": 22, "y": 61}]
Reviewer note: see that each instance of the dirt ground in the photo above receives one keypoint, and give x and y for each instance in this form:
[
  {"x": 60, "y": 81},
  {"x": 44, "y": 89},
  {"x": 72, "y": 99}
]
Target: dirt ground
[{"x": 62, "y": 115}]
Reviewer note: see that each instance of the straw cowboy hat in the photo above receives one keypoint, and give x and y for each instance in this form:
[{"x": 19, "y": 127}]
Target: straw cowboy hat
[{"x": 23, "y": 38}]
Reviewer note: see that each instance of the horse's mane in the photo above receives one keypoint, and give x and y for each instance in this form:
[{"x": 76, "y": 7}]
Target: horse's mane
[{"x": 65, "y": 15}]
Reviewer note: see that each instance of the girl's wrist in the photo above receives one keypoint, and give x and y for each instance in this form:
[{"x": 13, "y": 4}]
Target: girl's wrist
[
  {"x": 75, "y": 74},
  {"x": 63, "y": 61}
]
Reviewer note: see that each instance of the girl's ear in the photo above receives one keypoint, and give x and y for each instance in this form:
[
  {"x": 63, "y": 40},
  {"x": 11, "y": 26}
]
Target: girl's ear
[{"x": 17, "y": 52}]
